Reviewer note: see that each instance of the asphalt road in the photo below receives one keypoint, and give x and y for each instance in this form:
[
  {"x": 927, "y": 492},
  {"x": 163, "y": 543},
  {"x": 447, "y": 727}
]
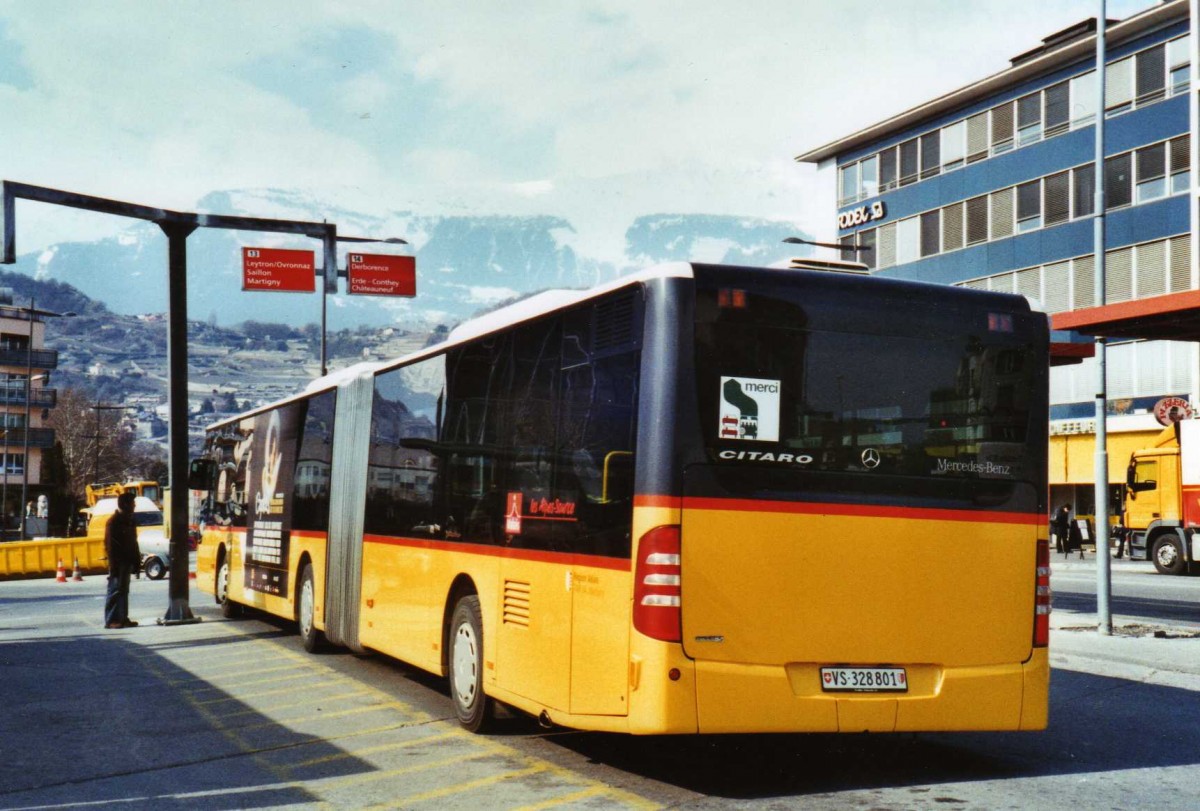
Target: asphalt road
[
  {"x": 1138, "y": 590},
  {"x": 234, "y": 714}
]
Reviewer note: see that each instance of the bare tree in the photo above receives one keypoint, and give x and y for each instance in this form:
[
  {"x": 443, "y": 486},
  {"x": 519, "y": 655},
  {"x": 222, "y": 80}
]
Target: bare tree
[{"x": 95, "y": 446}]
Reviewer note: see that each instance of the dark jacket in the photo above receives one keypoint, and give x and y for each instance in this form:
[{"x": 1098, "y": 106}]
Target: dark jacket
[
  {"x": 120, "y": 541},
  {"x": 1062, "y": 523}
]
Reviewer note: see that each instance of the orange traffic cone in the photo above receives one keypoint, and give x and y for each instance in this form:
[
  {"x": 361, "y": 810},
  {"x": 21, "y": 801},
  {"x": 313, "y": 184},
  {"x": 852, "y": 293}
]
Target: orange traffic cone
[
  {"x": 61, "y": 575},
  {"x": 77, "y": 575}
]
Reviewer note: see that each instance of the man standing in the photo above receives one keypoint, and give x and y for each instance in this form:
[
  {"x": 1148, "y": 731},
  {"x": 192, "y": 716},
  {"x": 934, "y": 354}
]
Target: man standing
[
  {"x": 124, "y": 558},
  {"x": 1062, "y": 529}
]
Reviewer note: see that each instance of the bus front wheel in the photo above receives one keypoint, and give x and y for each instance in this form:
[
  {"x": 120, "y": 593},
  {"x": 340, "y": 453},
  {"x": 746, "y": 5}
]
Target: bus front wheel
[
  {"x": 306, "y": 611},
  {"x": 471, "y": 705},
  {"x": 229, "y": 609}
]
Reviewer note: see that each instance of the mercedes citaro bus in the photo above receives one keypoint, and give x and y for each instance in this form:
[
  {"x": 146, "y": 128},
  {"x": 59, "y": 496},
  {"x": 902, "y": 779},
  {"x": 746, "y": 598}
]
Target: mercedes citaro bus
[{"x": 699, "y": 499}]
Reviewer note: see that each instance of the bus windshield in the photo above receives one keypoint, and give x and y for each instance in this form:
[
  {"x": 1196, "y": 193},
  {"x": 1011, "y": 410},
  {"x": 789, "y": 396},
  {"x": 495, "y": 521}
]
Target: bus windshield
[{"x": 880, "y": 392}]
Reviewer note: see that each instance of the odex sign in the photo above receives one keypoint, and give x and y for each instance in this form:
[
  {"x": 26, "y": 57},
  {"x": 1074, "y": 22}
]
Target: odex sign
[
  {"x": 381, "y": 275},
  {"x": 278, "y": 269}
]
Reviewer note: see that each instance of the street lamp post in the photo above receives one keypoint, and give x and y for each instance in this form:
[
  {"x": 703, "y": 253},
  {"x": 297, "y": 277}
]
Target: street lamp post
[{"x": 836, "y": 246}]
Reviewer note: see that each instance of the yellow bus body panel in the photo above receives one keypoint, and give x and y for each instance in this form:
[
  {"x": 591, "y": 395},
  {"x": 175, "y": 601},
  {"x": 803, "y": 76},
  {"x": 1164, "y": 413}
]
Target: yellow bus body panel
[
  {"x": 785, "y": 593},
  {"x": 301, "y": 544},
  {"x": 556, "y": 628}
]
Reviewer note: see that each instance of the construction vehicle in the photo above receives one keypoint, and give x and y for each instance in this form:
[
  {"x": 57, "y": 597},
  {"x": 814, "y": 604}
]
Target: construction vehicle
[
  {"x": 147, "y": 489},
  {"x": 1161, "y": 510}
]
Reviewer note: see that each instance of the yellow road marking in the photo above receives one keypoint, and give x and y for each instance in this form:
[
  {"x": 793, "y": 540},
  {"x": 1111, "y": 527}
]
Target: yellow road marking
[
  {"x": 599, "y": 790},
  {"x": 459, "y": 788},
  {"x": 304, "y": 702},
  {"x": 417, "y": 767},
  {"x": 392, "y": 705},
  {"x": 371, "y": 750},
  {"x": 264, "y": 693}
]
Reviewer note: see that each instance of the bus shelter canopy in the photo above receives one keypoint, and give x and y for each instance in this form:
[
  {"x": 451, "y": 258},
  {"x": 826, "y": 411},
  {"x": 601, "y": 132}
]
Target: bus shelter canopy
[{"x": 1173, "y": 317}]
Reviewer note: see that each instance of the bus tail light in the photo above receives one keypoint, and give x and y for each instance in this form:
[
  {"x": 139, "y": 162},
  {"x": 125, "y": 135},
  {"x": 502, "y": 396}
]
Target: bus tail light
[
  {"x": 1041, "y": 602},
  {"x": 656, "y": 588}
]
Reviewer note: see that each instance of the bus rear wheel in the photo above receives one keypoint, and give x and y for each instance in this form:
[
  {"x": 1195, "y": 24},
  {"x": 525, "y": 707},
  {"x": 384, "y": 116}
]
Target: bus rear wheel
[
  {"x": 1167, "y": 556},
  {"x": 306, "y": 609},
  {"x": 472, "y": 706},
  {"x": 229, "y": 609}
]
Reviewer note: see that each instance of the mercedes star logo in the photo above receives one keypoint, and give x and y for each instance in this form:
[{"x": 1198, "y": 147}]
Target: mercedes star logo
[{"x": 870, "y": 458}]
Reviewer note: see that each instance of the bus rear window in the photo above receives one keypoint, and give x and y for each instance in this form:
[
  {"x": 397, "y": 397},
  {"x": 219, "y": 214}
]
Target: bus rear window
[{"x": 883, "y": 401}]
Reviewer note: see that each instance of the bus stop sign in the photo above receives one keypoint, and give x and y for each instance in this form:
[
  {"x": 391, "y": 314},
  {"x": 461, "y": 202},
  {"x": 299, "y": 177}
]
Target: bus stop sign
[
  {"x": 382, "y": 275},
  {"x": 278, "y": 269}
]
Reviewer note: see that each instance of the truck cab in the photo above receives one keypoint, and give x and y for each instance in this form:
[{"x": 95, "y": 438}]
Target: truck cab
[{"x": 1162, "y": 499}]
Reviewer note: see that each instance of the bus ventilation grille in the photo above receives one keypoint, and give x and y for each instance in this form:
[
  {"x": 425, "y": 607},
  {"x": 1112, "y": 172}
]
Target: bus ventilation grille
[
  {"x": 613, "y": 327},
  {"x": 516, "y": 603}
]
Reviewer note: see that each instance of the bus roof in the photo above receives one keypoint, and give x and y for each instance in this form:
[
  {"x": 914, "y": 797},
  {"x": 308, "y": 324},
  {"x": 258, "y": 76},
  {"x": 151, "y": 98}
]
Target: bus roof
[{"x": 548, "y": 301}]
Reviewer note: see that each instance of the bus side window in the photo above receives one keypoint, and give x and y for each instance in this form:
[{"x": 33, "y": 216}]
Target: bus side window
[
  {"x": 310, "y": 487},
  {"x": 405, "y": 461}
]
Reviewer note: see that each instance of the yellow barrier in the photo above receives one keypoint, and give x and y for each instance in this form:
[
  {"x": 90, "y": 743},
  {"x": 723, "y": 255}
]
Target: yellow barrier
[{"x": 40, "y": 558}]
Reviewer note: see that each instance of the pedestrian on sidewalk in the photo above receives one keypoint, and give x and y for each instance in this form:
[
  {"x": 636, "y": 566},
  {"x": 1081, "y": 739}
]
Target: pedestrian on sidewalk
[
  {"x": 1124, "y": 541},
  {"x": 1062, "y": 528},
  {"x": 124, "y": 558}
]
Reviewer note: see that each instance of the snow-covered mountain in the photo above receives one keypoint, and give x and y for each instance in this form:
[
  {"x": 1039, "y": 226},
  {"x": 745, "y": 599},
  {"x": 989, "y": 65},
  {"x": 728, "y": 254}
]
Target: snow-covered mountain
[{"x": 464, "y": 263}]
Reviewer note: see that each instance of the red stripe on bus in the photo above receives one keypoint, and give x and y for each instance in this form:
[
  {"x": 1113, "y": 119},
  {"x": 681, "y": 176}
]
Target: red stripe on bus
[
  {"x": 668, "y": 502},
  {"x": 539, "y": 556},
  {"x": 862, "y": 510}
]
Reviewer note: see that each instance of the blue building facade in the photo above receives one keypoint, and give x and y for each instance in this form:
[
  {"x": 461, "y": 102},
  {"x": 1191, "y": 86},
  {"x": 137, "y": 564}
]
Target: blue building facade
[{"x": 993, "y": 186}]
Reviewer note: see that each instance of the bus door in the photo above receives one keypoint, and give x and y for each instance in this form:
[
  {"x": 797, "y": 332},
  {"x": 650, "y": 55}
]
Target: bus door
[{"x": 533, "y": 655}]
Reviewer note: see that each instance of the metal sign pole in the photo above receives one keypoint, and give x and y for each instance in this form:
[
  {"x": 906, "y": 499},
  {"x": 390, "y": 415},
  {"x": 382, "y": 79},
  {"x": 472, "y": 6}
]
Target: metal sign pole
[{"x": 1103, "y": 561}]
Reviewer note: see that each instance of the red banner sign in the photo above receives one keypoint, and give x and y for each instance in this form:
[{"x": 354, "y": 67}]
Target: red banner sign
[
  {"x": 381, "y": 275},
  {"x": 278, "y": 269}
]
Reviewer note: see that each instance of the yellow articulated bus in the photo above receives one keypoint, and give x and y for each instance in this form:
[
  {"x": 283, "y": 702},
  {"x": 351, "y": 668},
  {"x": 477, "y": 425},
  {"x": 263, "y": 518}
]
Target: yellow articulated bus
[{"x": 701, "y": 499}]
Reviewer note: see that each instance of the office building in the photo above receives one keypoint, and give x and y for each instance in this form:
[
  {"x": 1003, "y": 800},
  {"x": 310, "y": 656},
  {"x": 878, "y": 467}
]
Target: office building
[{"x": 993, "y": 186}]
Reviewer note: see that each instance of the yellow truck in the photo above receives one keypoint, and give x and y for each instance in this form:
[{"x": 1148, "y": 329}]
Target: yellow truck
[
  {"x": 1161, "y": 511},
  {"x": 96, "y": 491}
]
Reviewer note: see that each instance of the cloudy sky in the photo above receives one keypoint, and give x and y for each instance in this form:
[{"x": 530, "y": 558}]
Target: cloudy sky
[{"x": 594, "y": 111}]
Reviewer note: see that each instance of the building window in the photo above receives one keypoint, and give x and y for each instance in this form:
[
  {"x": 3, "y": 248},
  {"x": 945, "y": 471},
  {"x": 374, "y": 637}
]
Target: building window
[
  {"x": 1002, "y": 128},
  {"x": 1058, "y": 109},
  {"x": 1083, "y": 100},
  {"x": 866, "y": 241},
  {"x": 1151, "y": 172},
  {"x": 977, "y": 220},
  {"x": 931, "y": 232},
  {"x": 931, "y": 152},
  {"x": 868, "y": 179},
  {"x": 885, "y": 237},
  {"x": 887, "y": 169},
  {"x": 1118, "y": 180},
  {"x": 908, "y": 240},
  {"x": 1029, "y": 206},
  {"x": 1179, "y": 64},
  {"x": 977, "y": 137},
  {"x": 952, "y": 227},
  {"x": 13, "y": 463},
  {"x": 1083, "y": 181},
  {"x": 849, "y": 187},
  {"x": 1029, "y": 119},
  {"x": 1150, "y": 75},
  {"x": 1003, "y": 211},
  {"x": 908, "y": 162},
  {"x": 1180, "y": 149},
  {"x": 954, "y": 146},
  {"x": 1118, "y": 87},
  {"x": 1056, "y": 190}
]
